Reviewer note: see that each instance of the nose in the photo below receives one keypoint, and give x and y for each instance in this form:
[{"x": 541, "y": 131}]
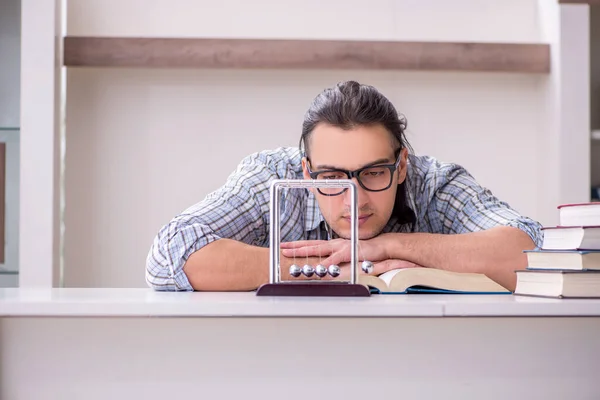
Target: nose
[{"x": 361, "y": 194}]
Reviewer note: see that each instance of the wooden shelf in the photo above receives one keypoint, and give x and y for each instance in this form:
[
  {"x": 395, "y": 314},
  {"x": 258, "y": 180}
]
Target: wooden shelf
[{"x": 304, "y": 54}]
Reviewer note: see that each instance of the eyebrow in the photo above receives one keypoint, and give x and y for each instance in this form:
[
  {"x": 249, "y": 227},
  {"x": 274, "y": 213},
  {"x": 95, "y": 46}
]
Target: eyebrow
[{"x": 379, "y": 161}]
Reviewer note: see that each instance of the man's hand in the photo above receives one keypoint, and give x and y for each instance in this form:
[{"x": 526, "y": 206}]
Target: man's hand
[{"x": 336, "y": 251}]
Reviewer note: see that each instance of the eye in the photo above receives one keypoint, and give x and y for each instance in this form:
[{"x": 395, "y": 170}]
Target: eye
[
  {"x": 373, "y": 172},
  {"x": 331, "y": 175}
]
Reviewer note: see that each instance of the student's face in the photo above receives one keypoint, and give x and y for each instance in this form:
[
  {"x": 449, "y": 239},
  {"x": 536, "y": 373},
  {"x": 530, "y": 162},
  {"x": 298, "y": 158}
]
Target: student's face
[{"x": 334, "y": 148}]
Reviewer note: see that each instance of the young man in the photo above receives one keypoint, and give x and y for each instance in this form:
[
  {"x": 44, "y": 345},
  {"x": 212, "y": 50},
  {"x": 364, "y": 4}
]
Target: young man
[{"x": 413, "y": 210}]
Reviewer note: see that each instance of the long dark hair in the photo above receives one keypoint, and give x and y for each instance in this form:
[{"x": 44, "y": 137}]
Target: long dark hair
[{"x": 350, "y": 104}]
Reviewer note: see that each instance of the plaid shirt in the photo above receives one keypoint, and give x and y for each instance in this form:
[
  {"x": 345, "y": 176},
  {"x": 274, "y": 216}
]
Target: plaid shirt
[{"x": 444, "y": 197}]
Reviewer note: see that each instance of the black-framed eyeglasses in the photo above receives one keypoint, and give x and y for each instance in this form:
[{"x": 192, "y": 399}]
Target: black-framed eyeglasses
[{"x": 374, "y": 178}]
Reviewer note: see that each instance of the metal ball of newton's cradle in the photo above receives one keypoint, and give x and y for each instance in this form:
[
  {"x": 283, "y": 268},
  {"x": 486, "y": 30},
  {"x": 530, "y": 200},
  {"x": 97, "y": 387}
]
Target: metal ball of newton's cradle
[
  {"x": 308, "y": 271},
  {"x": 320, "y": 271},
  {"x": 367, "y": 267},
  {"x": 334, "y": 270},
  {"x": 295, "y": 271}
]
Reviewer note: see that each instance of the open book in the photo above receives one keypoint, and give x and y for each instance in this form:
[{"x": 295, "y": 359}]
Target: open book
[{"x": 430, "y": 280}]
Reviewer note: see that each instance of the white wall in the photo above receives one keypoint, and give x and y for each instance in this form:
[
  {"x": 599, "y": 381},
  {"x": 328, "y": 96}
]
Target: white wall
[
  {"x": 142, "y": 144},
  {"x": 564, "y": 138},
  {"x": 478, "y": 20},
  {"x": 40, "y": 145}
]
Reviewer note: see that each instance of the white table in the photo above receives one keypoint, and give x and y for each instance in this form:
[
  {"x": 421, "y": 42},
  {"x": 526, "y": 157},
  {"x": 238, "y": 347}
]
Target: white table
[{"x": 120, "y": 343}]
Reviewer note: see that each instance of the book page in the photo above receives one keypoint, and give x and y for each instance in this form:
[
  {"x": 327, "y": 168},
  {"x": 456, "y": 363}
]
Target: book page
[
  {"x": 444, "y": 280},
  {"x": 387, "y": 276},
  {"x": 370, "y": 280}
]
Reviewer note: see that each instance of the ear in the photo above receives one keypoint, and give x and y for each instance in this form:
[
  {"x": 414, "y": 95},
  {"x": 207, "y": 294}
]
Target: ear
[
  {"x": 304, "y": 168},
  {"x": 402, "y": 168},
  {"x": 306, "y": 174}
]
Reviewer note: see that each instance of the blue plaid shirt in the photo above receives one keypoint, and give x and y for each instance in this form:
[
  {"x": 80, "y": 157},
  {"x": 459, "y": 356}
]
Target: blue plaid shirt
[{"x": 444, "y": 197}]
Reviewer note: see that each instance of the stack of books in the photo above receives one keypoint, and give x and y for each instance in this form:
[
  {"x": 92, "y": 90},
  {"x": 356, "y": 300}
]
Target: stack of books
[{"x": 568, "y": 263}]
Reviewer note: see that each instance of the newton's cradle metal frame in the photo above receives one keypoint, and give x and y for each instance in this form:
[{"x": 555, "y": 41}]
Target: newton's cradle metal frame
[{"x": 314, "y": 287}]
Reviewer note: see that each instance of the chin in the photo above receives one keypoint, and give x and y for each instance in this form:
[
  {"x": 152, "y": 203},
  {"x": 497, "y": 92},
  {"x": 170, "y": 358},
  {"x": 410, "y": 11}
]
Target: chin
[
  {"x": 366, "y": 230},
  {"x": 363, "y": 233},
  {"x": 366, "y": 235}
]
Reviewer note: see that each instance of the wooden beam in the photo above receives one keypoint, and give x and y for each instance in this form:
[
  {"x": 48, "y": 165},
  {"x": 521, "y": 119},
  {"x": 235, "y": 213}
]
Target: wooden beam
[{"x": 304, "y": 54}]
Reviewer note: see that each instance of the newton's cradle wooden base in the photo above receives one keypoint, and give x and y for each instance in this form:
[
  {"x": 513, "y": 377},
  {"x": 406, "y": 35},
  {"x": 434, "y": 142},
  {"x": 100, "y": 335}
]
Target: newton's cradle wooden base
[{"x": 320, "y": 289}]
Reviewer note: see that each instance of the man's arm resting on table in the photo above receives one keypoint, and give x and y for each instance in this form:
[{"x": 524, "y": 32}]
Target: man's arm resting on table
[
  {"x": 230, "y": 265},
  {"x": 496, "y": 252},
  {"x": 227, "y": 264}
]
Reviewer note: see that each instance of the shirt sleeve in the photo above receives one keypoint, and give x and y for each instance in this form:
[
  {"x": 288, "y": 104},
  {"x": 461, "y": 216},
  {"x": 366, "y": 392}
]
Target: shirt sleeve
[
  {"x": 461, "y": 205},
  {"x": 234, "y": 211}
]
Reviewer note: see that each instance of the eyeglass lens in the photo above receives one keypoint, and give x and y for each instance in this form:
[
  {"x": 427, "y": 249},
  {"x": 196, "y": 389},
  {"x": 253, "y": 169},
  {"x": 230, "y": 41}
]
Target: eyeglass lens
[{"x": 372, "y": 178}]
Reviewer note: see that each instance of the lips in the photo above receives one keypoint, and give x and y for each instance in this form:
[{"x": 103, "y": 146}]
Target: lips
[{"x": 361, "y": 218}]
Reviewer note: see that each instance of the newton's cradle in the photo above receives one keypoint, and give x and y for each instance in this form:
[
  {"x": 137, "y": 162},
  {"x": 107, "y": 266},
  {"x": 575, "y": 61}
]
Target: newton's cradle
[{"x": 313, "y": 287}]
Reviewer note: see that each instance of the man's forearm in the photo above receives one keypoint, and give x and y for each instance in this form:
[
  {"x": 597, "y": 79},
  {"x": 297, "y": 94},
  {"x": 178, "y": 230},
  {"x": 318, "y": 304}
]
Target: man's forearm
[
  {"x": 496, "y": 252},
  {"x": 229, "y": 265}
]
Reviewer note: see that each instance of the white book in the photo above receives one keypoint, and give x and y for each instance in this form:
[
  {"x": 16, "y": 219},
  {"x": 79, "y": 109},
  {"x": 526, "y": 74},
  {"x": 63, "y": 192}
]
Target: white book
[
  {"x": 559, "y": 284},
  {"x": 571, "y": 238},
  {"x": 563, "y": 259},
  {"x": 580, "y": 214}
]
